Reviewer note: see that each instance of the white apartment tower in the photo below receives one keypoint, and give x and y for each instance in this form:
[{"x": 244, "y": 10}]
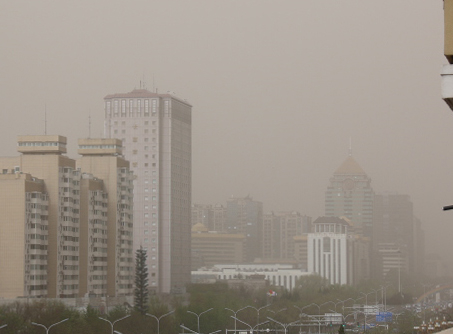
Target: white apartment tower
[{"x": 156, "y": 133}]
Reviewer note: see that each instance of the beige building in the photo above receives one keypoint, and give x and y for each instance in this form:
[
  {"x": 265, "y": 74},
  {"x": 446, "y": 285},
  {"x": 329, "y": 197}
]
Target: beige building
[
  {"x": 156, "y": 131},
  {"x": 23, "y": 235},
  {"x": 217, "y": 247},
  {"x": 300, "y": 250},
  {"x": 102, "y": 158},
  {"x": 58, "y": 223}
]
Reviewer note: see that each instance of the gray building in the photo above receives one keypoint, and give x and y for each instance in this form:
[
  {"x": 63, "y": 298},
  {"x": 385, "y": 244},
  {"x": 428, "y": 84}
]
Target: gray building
[
  {"x": 244, "y": 215},
  {"x": 350, "y": 195},
  {"x": 156, "y": 133}
]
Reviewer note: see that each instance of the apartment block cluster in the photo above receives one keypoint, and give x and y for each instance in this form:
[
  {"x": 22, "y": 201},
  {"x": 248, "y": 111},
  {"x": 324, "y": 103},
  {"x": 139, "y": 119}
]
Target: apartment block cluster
[
  {"x": 361, "y": 235},
  {"x": 66, "y": 225},
  {"x": 69, "y": 228}
]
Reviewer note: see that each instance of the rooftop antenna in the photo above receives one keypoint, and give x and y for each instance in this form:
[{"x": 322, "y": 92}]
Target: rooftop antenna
[
  {"x": 154, "y": 85},
  {"x": 350, "y": 146},
  {"x": 89, "y": 124},
  {"x": 144, "y": 83},
  {"x": 45, "y": 119}
]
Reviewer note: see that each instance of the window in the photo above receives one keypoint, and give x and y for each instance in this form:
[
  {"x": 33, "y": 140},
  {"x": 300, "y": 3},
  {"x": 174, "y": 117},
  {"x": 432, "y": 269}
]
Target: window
[
  {"x": 134, "y": 151},
  {"x": 134, "y": 139}
]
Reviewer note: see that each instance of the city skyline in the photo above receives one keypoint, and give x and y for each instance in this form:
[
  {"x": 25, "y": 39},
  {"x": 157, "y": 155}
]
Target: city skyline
[{"x": 278, "y": 90}]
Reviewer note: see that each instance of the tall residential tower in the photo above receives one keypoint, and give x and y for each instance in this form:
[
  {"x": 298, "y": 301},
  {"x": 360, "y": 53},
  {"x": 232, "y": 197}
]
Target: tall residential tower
[{"x": 156, "y": 131}]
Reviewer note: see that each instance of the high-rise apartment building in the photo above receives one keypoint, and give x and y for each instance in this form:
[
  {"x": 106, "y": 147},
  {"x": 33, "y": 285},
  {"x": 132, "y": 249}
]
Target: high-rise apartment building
[
  {"x": 24, "y": 206},
  {"x": 102, "y": 158},
  {"x": 155, "y": 130},
  {"x": 350, "y": 195},
  {"x": 244, "y": 215},
  {"x": 61, "y": 224}
]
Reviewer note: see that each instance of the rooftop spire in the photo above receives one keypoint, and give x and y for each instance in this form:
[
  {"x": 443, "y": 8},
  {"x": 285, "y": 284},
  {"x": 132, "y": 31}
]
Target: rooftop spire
[{"x": 350, "y": 146}]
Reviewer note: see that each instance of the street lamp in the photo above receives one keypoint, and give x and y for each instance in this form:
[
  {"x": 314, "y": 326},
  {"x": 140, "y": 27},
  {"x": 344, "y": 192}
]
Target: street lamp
[
  {"x": 327, "y": 303},
  {"x": 235, "y": 315},
  {"x": 316, "y": 319},
  {"x": 252, "y": 329},
  {"x": 3, "y": 326},
  {"x": 198, "y": 317},
  {"x": 343, "y": 301},
  {"x": 158, "y": 319},
  {"x": 113, "y": 323},
  {"x": 366, "y": 303},
  {"x": 285, "y": 326},
  {"x": 47, "y": 329},
  {"x": 276, "y": 312},
  {"x": 258, "y": 310}
]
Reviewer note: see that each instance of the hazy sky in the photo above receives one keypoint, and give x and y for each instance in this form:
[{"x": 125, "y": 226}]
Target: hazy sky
[{"x": 277, "y": 88}]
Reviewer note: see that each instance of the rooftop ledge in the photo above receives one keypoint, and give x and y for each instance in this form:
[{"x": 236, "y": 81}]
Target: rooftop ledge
[{"x": 447, "y": 84}]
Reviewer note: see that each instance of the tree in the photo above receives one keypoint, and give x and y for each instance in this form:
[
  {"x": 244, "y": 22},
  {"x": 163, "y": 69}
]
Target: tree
[{"x": 141, "y": 282}]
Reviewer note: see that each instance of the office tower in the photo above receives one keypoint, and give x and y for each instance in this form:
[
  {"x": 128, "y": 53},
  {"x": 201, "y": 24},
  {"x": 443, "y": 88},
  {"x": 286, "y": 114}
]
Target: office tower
[
  {"x": 244, "y": 215},
  {"x": 278, "y": 232},
  {"x": 156, "y": 133},
  {"x": 219, "y": 217},
  {"x": 203, "y": 214},
  {"x": 217, "y": 247},
  {"x": 23, "y": 235},
  {"x": 271, "y": 236},
  {"x": 102, "y": 158},
  {"x": 336, "y": 253},
  {"x": 349, "y": 194},
  {"x": 396, "y": 230}
]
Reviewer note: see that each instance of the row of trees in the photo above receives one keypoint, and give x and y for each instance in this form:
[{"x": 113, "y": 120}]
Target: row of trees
[
  {"x": 200, "y": 298},
  {"x": 313, "y": 295}
]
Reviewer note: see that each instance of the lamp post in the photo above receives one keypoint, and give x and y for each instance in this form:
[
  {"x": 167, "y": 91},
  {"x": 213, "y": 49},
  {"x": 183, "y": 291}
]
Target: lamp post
[
  {"x": 276, "y": 312},
  {"x": 198, "y": 317},
  {"x": 327, "y": 303},
  {"x": 235, "y": 315},
  {"x": 366, "y": 303},
  {"x": 285, "y": 326},
  {"x": 342, "y": 303},
  {"x": 3, "y": 326},
  {"x": 47, "y": 329},
  {"x": 113, "y": 323},
  {"x": 252, "y": 329},
  {"x": 316, "y": 319},
  {"x": 158, "y": 319},
  {"x": 258, "y": 311}
]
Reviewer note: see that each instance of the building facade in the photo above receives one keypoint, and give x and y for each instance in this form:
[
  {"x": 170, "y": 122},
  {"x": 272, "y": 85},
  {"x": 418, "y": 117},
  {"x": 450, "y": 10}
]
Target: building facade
[
  {"x": 155, "y": 130},
  {"x": 278, "y": 232},
  {"x": 102, "y": 157},
  {"x": 350, "y": 195},
  {"x": 396, "y": 229},
  {"x": 336, "y": 253},
  {"x": 57, "y": 224},
  {"x": 245, "y": 216},
  {"x": 217, "y": 247}
]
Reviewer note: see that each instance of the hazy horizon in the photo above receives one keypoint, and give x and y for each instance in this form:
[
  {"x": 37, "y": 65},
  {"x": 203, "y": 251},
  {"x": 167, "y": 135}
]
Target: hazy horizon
[{"x": 277, "y": 88}]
